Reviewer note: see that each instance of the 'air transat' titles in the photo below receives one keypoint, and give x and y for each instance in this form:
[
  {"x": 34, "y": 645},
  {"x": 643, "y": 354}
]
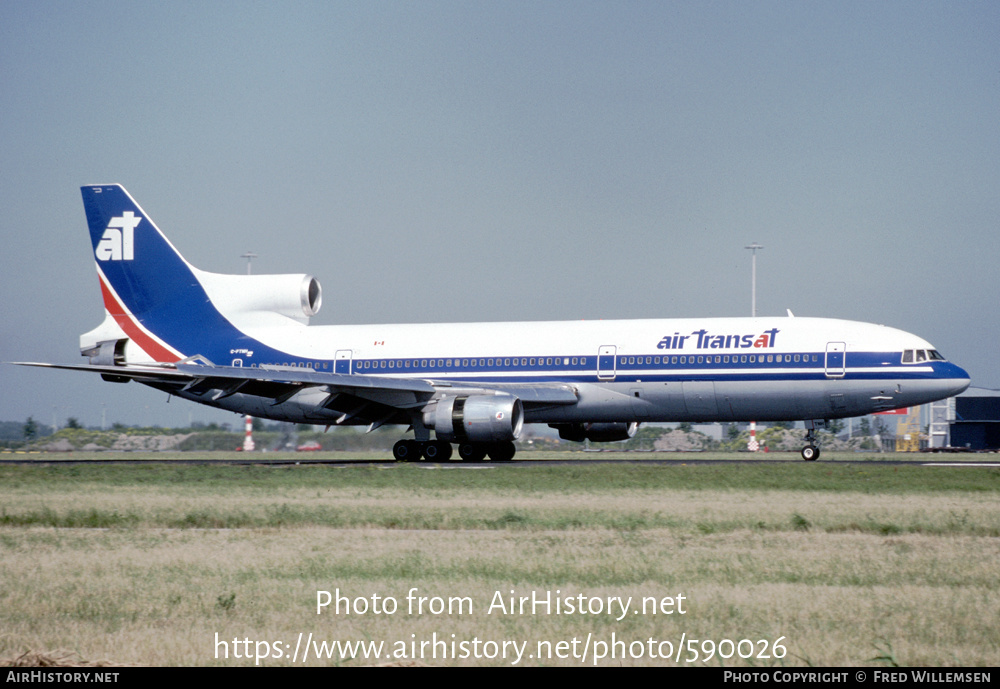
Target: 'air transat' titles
[{"x": 707, "y": 340}]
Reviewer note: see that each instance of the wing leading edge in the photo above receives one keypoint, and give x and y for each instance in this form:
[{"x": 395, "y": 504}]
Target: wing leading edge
[{"x": 336, "y": 397}]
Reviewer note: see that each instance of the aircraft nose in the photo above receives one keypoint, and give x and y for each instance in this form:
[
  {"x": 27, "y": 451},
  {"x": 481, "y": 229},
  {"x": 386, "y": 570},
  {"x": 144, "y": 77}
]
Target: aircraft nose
[{"x": 959, "y": 378}]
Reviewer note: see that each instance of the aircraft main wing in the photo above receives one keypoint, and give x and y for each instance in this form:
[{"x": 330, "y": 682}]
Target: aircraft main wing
[{"x": 371, "y": 399}]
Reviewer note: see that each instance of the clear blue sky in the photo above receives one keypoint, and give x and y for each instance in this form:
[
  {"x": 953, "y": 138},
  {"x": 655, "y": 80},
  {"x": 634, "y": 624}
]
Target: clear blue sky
[{"x": 442, "y": 161}]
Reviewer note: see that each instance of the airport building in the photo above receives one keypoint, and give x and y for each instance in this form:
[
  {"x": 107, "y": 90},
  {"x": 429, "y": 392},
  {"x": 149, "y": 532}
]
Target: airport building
[{"x": 976, "y": 425}]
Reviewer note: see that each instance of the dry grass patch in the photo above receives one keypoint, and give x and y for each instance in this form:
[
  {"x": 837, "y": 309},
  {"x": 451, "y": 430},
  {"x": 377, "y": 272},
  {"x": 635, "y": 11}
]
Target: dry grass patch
[
  {"x": 159, "y": 597},
  {"x": 844, "y": 576},
  {"x": 704, "y": 511}
]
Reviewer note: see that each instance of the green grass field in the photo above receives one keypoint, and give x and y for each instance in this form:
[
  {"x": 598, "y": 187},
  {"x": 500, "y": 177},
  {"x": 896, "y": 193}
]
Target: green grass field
[{"x": 829, "y": 563}]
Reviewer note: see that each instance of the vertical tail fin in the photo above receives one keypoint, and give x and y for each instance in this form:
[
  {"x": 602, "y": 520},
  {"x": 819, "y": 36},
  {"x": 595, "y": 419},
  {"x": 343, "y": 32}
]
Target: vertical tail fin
[
  {"x": 149, "y": 290},
  {"x": 167, "y": 308}
]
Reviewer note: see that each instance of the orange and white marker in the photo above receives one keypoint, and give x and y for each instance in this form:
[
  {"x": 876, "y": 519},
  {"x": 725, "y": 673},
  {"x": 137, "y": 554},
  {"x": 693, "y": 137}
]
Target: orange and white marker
[
  {"x": 248, "y": 440},
  {"x": 752, "y": 445}
]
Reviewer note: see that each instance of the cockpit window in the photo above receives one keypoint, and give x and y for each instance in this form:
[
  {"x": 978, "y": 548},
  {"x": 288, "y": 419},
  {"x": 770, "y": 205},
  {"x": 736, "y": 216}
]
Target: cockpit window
[{"x": 911, "y": 356}]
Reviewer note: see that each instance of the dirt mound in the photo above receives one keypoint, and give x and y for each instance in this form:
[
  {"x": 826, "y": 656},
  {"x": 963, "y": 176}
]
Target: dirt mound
[
  {"x": 679, "y": 441},
  {"x": 148, "y": 443},
  {"x": 61, "y": 445}
]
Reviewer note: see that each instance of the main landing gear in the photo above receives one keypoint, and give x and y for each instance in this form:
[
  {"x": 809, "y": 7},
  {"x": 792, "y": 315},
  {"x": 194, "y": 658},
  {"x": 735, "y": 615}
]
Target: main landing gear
[
  {"x": 414, "y": 451},
  {"x": 440, "y": 451}
]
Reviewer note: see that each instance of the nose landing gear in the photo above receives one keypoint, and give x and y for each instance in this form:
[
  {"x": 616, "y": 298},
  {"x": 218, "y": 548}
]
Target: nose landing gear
[{"x": 810, "y": 452}]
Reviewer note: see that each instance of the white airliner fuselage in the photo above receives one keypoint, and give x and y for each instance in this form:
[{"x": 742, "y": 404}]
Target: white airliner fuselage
[{"x": 243, "y": 343}]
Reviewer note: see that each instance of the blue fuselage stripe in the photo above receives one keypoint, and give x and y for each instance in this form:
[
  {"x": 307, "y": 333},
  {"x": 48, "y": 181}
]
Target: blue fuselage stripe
[{"x": 735, "y": 367}]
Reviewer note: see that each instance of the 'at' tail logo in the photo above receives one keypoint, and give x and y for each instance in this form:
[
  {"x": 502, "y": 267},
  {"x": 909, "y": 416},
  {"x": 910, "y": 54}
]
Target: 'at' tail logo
[{"x": 117, "y": 242}]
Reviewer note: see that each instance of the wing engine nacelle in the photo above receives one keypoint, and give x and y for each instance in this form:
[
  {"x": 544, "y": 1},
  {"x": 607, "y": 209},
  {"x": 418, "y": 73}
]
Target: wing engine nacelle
[
  {"x": 595, "y": 432},
  {"x": 477, "y": 418},
  {"x": 295, "y": 296}
]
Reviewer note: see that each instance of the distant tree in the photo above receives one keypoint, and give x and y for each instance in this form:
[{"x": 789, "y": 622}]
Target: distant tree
[
  {"x": 866, "y": 426},
  {"x": 733, "y": 432},
  {"x": 878, "y": 427},
  {"x": 72, "y": 422},
  {"x": 30, "y": 429},
  {"x": 685, "y": 426}
]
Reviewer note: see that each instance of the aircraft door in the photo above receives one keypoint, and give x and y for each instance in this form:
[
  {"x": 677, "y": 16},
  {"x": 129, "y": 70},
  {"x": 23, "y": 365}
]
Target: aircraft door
[
  {"x": 343, "y": 361},
  {"x": 836, "y": 353},
  {"x": 606, "y": 362}
]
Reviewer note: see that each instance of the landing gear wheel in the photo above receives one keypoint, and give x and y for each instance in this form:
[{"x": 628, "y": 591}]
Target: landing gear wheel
[
  {"x": 502, "y": 452},
  {"x": 406, "y": 451},
  {"x": 810, "y": 452},
  {"x": 438, "y": 451},
  {"x": 471, "y": 452}
]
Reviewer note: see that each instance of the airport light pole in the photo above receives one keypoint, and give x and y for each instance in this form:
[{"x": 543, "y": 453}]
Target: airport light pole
[
  {"x": 752, "y": 445},
  {"x": 248, "y": 444},
  {"x": 249, "y": 256},
  {"x": 753, "y": 277}
]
